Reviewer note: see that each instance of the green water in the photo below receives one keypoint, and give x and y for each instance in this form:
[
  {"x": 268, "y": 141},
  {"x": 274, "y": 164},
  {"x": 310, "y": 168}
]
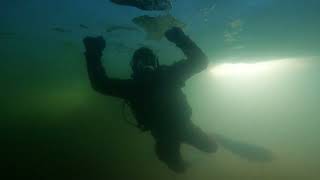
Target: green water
[{"x": 54, "y": 126}]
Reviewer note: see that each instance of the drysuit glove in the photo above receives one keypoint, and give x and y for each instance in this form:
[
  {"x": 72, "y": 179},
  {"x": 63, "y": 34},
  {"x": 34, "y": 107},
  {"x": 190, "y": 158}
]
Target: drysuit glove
[
  {"x": 175, "y": 35},
  {"x": 94, "y": 45}
]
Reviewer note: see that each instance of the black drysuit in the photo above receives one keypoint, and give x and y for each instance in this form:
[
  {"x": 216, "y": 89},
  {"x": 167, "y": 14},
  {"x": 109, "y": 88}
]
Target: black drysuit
[{"x": 158, "y": 103}]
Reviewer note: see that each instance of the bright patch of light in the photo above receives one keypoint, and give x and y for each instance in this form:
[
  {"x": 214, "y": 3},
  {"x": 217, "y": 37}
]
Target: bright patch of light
[{"x": 253, "y": 69}]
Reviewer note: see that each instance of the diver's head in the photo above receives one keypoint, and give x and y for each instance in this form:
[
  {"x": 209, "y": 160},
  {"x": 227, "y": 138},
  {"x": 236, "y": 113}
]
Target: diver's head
[{"x": 144, "y": 61}]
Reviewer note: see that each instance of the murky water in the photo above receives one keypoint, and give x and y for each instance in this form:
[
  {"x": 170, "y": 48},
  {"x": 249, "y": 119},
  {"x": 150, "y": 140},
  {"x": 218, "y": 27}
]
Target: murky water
[{"x": 261, "y": 88}]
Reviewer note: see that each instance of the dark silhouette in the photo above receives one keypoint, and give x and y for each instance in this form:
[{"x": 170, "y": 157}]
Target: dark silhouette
[
  {"x": 61, "y": 30},
  {"x": 155, "y": 96},
  {"x": 123, "y": 28},
  {"x": 84, "y": 26},
  {"x": 147, "y": 5}
]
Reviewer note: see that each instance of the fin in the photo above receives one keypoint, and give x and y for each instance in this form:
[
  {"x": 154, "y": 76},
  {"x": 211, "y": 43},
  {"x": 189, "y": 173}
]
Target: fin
[{"x": 251, "y": 152}]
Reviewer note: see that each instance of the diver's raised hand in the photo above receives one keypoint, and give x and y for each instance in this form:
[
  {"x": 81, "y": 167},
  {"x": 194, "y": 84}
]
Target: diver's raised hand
[
  {"x": 175, "y": 34},
  {"x": 94, "y": 44}
]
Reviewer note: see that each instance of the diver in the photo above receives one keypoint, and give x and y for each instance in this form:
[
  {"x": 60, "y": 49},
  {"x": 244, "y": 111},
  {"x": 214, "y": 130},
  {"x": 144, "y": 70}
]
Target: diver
[{"x": 154, "y": 94}]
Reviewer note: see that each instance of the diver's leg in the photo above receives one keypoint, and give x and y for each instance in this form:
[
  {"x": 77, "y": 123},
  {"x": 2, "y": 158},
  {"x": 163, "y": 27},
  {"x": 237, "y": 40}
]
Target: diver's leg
[
  {"x": 194, "y": 136},
  {"x": 169, "y": 153}
]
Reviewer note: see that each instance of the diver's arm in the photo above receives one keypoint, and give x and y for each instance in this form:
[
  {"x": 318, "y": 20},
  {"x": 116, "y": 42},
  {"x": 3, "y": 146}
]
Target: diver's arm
[
  {"x": 196, "y": 59},
  {"x": 99, "y": 80}
]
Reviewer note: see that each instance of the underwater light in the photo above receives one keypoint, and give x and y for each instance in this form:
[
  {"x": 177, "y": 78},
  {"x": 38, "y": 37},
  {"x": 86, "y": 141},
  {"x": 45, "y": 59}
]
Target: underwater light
[{"x": 250, "y": 69}]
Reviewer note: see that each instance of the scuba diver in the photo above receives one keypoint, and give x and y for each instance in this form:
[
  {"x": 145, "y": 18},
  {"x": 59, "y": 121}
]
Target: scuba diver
[{"x": 154, "y": 94}]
